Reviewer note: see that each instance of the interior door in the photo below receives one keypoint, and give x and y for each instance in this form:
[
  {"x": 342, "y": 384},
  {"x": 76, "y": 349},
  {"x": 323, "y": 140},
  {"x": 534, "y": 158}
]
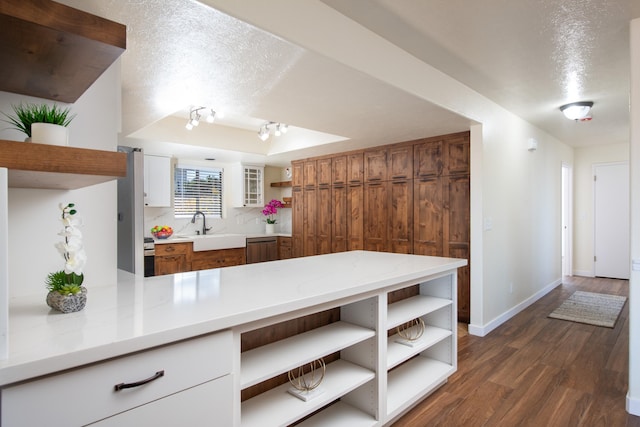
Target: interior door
[{"x": 611, "y": 212}]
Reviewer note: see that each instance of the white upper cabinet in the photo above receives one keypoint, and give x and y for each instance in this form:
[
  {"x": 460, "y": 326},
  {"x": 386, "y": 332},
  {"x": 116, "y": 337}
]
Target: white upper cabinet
[
  {"x": 248, "y": 186},
  {"x": 157, "y": 181}
]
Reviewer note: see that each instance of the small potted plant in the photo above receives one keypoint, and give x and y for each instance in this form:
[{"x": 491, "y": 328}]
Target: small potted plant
[
  {"x": 270, "y": 210},
  {"x": 66, "y": 293},
  {"x": 43, "y": 123}
]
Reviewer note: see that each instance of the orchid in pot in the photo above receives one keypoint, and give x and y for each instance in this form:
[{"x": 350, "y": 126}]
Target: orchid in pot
[
  {"x": 66, "y": 293},
  {"x": 270, "y": 210}
]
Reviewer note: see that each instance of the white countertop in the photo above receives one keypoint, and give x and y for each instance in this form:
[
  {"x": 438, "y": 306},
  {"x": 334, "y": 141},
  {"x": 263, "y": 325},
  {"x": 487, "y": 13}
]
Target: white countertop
[
  {"x": 139, "y": 313},
  {"x": 184, "y": 239}
]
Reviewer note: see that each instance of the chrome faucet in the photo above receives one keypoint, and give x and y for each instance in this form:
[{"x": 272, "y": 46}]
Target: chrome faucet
[{"x": 204, "y": 221}]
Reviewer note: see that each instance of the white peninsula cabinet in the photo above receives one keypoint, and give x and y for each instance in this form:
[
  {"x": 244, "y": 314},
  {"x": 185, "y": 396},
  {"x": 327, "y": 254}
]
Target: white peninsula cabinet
[{"x": 214, "y": 347}]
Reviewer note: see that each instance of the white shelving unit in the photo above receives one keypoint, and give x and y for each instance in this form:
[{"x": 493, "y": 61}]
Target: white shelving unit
[{"x": 376, "y": 378}]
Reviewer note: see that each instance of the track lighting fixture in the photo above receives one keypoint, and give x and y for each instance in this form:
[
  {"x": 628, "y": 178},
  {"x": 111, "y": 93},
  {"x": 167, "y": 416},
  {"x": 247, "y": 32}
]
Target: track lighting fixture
[
  {"x": 195, "y": 116},
  {"x": 278, "y": 129}
]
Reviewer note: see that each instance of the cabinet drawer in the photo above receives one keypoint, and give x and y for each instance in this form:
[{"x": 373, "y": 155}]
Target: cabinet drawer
[
  {"x": 87, "y": 394},
  {"x": 171, "y": 248}
]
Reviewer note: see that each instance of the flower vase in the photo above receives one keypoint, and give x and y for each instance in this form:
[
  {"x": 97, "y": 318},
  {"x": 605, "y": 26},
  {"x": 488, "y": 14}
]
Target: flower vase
[
  {"x": 271, "y": 228},
  {"x": 67, "y": 303}
]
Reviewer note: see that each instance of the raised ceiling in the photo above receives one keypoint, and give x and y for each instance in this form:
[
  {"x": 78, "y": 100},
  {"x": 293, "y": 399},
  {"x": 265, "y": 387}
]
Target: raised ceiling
[{"x": 529, "y": 57}]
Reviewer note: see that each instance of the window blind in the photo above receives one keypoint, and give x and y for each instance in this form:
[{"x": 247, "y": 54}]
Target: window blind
[{"x": 197, "y": 189}]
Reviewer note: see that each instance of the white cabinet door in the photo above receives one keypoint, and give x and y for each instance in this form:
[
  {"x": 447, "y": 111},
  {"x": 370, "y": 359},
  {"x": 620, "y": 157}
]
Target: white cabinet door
[
  {"x": 248, "y": 186},
  {"x": 209, "y": 404},
  {"x": 157, "y": 181}
]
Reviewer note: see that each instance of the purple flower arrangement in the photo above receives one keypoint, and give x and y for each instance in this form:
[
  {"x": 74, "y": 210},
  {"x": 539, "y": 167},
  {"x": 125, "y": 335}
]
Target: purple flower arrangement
[{"x": 270, "y": 210}]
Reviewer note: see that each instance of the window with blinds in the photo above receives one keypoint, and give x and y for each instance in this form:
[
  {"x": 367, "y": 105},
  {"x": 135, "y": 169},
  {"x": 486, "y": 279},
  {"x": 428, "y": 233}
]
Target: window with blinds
[{"x": 197, "y": 189}]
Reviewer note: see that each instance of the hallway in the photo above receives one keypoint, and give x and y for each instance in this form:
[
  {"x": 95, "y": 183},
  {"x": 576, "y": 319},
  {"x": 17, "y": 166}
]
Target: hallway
[{"x": 536, "y": 371}]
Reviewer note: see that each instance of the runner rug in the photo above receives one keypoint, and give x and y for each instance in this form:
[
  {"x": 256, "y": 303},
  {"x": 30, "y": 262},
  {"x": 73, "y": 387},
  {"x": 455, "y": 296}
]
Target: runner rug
[{"x": 591, "y": 308}]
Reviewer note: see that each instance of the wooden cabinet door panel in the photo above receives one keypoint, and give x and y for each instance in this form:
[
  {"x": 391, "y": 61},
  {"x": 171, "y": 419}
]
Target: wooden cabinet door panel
[
  {"x": 309, "y": 232},
  {"x": 323, "y": 220},
  {"x": 401, "y": 216},
  {"x": 339, "y": 170},
  {"x": 427, "y": 217},
  {"x": 170, "y": 264},
  {"x": 427, "y": 158},
  {"x": 375, "y": 216},
  {"x": 297, "y": 222},
  {"x": 339, "y": 218},
  {"x": 401, "y": 162},
  {"x": 355, "y": 217},
  {"x": 309, "y": 173},
  {"x": 355, "y": 168},
  {"x": 297, "y": 174},
  {"x": 457, "y": 156},
  {"x": 323, "y": 167},
  {"x": 375, "y": 165},
  {"x": 284, "y": 247}
]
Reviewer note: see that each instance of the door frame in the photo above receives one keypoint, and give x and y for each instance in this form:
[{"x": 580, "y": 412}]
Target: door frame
[{"x": 566, "y": 223}]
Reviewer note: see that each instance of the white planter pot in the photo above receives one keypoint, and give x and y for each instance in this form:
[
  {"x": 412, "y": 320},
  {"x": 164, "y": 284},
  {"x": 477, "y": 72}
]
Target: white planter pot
[
  {"x": 271, "y": 228},
  {"x": 48, "y": 133}
]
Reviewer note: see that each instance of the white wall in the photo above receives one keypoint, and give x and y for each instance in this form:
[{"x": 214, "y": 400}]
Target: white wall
[
  {"x": 633, "y": 395},
  {"x": 585, "y": 158},
  {"x": 33, "y": 214}
]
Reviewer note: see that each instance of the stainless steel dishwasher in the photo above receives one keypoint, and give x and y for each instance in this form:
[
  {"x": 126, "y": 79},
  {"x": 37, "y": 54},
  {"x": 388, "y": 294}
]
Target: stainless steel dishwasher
[{"x": 261, "y": 249}]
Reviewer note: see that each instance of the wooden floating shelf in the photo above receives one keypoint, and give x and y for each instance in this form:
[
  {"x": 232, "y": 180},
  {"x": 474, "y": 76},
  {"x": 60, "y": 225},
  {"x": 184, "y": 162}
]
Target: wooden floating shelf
[
  {"x": 54, "y": 51},
  {"x": 281, "y": 184},
  {"x": 45, "y": 166}
]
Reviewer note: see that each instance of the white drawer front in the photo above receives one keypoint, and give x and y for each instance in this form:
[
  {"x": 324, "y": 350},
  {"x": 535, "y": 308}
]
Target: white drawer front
[
  {"x": 209, "y": 404},
  {"x": 87, "y": 394}
]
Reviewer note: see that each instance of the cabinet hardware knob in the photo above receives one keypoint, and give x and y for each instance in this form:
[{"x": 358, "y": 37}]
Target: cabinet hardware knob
[{"x": 121, "y": 386}]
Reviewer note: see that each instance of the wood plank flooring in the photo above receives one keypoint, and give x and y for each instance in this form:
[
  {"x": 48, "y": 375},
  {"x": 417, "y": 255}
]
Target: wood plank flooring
[{"x": 536, "y": 371}]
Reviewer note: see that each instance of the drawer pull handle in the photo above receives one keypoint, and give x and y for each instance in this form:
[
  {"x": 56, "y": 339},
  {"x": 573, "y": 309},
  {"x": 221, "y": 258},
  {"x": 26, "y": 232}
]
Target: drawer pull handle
[{"x": 121, "y": 386}]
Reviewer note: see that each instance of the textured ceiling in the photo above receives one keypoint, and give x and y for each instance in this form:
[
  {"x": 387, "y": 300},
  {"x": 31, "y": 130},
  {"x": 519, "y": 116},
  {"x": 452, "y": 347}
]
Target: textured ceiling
[{"x": 530, "y": 57}]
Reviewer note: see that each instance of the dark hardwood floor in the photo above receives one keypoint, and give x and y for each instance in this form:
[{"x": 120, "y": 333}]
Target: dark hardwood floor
[{"x": 537, "y": 371}]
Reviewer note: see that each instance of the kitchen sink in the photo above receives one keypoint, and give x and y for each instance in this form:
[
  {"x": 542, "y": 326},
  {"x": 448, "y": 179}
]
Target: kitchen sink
[{"x": 211, "y": 242}]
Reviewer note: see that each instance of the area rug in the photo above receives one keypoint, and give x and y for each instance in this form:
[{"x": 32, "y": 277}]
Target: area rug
[{"x": 591, "y": 308}]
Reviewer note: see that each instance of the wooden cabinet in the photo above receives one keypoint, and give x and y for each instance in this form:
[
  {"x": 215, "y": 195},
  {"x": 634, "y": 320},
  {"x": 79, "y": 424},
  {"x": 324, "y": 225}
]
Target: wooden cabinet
[
  {"x": 204, "y": 260},
  {"x": 284, "y": 247},
  {"x": 339, "y": 170},
  {"x": 310, "y": 205},
  {"x": 309, "y": 174},
  {"x": 456, "y": 235},
  {"x": 324, "y": 172},
  {"x": 323, "y": 220},
  {"x": 297, "y": 174},
  {"x": 355, "y": 217},
  {"x": 428, "y": 161},
  {"x": 262, "y": 249},
  {"x": 400, "y": 215},
  {"x": 157, "y": 181},
  {"x": 339, "y": 217},
  {"x": 375, "y": 165},
  {"x": 297, "y": 222},
  {"x": 355, "y": 168},
  {"x": 92, "y": 387},
  {"x": 457, "y": 156},
  {"x": 375, "y": 218},
  {"x": 427, "y": 216},
  {"x": 400, "y": 162},
  {"x": 172, "y": 258}
]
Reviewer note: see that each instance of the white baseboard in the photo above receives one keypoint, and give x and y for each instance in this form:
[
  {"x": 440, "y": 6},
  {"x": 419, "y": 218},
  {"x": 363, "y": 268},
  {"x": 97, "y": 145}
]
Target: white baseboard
[
  {"x": 481, "y": 331},
  {"x": 633, "y": 405}
]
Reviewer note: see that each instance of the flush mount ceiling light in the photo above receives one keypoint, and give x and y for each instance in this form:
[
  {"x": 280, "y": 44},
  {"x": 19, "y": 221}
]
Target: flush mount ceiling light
[
  {"x": 278, "y": 129},
  {"x": 577, "y": 110},
  {"x": 195, "y": 116}
]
